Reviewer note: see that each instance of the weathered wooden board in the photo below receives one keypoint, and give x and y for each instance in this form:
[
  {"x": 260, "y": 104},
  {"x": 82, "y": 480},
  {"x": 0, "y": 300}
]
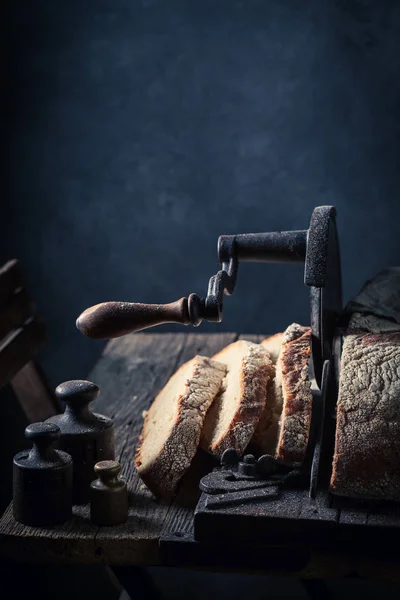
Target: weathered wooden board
[
  {"x": 34, "y": 395},
  {"x": 180, "y": 514},
  {"x": 11, "y": 279},
  {"x": 15, "y": 312},
  {"x": 19, "y": 347},
  {"x": 130, "y": 372},
  {"x": 156, "y": 360}
]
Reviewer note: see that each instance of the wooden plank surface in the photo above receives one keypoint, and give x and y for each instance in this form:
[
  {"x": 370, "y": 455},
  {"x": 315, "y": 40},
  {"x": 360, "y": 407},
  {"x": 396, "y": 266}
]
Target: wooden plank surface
[
  {"x": 350, "y": 511},
  {"x": 180, "y": 514},
  {"x": 36, "y": 399},
  {"x": 15, "y": 312},
  {"x": 157, "y": 357},
  {"x": 130, "y": 372},
  {"x": 19, "y": 347},
  {"x": 11, "y": 279}
]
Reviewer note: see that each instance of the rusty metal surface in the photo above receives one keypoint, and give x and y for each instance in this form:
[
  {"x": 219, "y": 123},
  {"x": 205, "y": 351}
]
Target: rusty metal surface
[
  {"x": 42, "y": 479},
  {"x": 88, "y": 437}
]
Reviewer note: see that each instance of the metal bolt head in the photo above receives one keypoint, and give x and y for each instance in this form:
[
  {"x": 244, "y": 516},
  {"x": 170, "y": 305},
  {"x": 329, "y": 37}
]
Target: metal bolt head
[
  {"x": 267, "y": 464},
  {"x": 229, "y": 458},
  {"x": 248, "y": 466},
  {"x": 249, "y": 459}
]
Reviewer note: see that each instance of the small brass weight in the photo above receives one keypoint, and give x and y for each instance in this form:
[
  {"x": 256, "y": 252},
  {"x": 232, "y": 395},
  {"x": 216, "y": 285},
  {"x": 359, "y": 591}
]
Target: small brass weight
[{"x": 109, "y": 495}]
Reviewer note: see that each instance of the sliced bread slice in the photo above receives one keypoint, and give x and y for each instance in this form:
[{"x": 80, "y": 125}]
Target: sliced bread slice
[
  {"x": 173, "y": 424},
  {"x": 293, "y": 372},
  {"x": 265, "y": 437},
  {"x": 235, "y": 412},
  {"x": 273, "y": 344}
]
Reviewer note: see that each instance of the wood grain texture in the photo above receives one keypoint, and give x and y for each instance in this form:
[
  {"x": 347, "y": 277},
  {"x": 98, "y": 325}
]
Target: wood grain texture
[
  {"x": 130, "y": 373},
  {"x": 350, "y": 512},
  {"x": 37, "y": 401},
  {"x": 15, "y": 312},
  {"x": 180, "y": 514},
  {"x": 19, "y": 348},
  {"x": 11, "y": 279}
]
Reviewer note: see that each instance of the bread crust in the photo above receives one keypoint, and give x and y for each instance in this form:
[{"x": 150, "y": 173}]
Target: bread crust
[
  {"x": 265, "y": 436},
  {"x": 366, "y": 462},
  {"x": 256, "y": 369},
  {"x": 202, "y": 383},
  {"x": 293, "y": 370}
]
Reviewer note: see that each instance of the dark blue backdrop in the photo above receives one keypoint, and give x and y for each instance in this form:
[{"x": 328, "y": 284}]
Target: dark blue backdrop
[{"x": 137, "y": 132}]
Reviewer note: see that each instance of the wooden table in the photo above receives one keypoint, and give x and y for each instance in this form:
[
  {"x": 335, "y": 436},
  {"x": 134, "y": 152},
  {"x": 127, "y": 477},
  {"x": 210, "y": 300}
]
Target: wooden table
[{"x": 130, "y": 372}]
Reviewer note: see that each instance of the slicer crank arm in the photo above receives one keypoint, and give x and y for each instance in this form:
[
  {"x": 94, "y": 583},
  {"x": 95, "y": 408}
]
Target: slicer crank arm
[
  {"x": 316, "y": 247},
  {"x": 114, "y": 319}
]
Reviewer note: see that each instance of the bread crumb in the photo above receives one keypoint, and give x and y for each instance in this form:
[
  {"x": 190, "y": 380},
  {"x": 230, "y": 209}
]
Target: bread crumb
[{"x": 145, "y": 413}]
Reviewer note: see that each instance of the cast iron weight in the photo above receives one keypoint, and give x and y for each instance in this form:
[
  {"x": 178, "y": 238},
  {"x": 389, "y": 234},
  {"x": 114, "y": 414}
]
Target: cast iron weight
[
  {"x": 88, "y": 437},
  {"x": 42, "y": 479},
  {"x": 317, "y": 247},
  {"x": 109, "y": 495}
]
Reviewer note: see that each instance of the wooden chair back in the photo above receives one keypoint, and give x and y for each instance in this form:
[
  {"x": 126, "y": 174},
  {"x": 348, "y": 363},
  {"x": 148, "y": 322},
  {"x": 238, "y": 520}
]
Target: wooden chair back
[{"x": 22, "y": 332}]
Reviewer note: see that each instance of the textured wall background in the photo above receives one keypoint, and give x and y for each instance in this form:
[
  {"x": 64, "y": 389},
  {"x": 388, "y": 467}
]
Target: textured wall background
[{"x": 137, "y": 132}]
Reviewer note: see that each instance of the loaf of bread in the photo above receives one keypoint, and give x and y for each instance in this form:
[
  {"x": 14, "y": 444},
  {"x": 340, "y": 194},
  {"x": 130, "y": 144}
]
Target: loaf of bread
[
  {"x": 261, "y": 393},
  {"x": 265, "y": 437},
  {"x": 236, "y": 411},
  {"x": 366, "y": 461},
  {"x": 173, "y": 424},
  {"x": 293, "y": 373}
]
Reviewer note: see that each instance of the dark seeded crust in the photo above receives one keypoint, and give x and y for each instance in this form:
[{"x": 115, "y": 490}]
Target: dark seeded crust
[
  {"x": 366, "y": 460},
  {"x": 203, "y": 381},
  {"x": 295, "y": 422}
]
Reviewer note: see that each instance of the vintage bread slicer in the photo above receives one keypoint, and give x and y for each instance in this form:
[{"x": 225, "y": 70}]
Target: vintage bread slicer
[
  {"x": 237, "y": 493},
  {"x": 317, "y": 247}
]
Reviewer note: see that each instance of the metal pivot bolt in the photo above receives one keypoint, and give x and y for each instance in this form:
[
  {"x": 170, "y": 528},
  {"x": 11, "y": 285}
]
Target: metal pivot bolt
[
  {"x": 42, "y": 479},
  {"x": 109, "y": 495},
  {"x": 87, "y": 436},
  {"x": 248, "y": 466}
]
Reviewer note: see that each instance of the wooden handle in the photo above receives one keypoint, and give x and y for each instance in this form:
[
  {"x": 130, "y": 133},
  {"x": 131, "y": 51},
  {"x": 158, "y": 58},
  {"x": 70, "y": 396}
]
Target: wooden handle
[{"x": 115, "y": 319}]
